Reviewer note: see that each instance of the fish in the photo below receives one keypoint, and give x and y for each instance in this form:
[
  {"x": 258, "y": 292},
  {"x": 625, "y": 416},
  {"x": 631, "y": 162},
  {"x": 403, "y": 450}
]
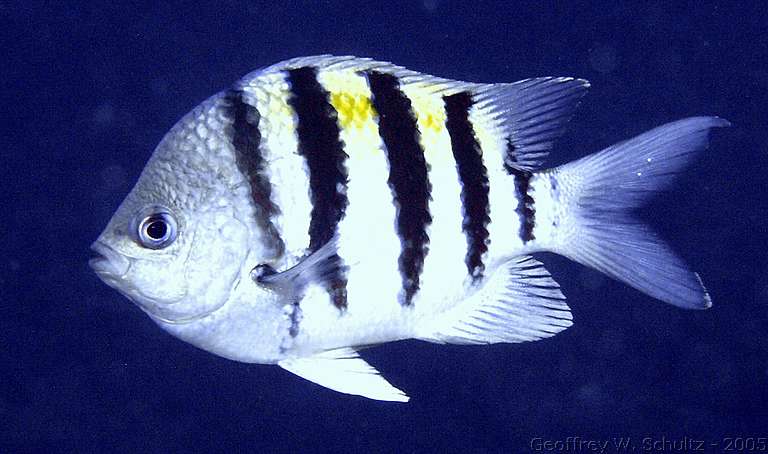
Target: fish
[{"x": 328, "y": 204}]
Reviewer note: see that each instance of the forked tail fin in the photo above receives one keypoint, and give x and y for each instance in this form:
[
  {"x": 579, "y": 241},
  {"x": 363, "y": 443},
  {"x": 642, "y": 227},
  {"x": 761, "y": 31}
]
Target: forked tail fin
[{"x": 600, "y": 191}]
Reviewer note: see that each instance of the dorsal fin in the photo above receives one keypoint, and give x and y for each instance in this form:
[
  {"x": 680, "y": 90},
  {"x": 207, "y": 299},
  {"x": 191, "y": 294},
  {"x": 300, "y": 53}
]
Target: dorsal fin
[
  {"x": 437, "y": 85},
  {"x": 532, "y": 113}
]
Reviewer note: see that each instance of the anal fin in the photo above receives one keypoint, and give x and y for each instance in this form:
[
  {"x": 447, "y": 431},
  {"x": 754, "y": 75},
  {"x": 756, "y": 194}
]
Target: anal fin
[
  {"x": 344, "y": 371},
  {"x": 520, "y": 302}
]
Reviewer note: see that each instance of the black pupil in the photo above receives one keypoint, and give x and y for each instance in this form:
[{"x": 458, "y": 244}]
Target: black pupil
[{"x": 157, "y": 229}]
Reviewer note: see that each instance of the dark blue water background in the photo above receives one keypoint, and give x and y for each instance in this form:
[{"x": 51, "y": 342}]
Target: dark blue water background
[{"x": 88, "y": 89}]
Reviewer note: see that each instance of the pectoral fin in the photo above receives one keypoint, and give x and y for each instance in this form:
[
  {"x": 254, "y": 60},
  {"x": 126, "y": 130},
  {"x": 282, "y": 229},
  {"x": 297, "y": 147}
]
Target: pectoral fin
[
  {"x": 344, "y": 371},
  {"x": 316, "y": 267}
]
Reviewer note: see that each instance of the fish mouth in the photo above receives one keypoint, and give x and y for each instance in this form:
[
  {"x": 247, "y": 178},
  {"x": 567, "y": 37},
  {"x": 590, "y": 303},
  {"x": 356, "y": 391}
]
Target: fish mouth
[{"x": 108, "y": 263}]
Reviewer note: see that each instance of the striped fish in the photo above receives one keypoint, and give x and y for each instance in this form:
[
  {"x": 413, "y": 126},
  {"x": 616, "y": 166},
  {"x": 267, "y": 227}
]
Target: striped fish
[{"x": 326, "y": 204}]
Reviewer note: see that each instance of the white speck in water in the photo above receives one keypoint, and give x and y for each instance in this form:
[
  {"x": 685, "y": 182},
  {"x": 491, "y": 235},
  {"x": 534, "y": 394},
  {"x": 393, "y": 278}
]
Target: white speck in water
[{"x": 639, "y": 174}]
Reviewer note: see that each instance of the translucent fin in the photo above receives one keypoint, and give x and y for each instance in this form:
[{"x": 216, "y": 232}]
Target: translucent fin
[
  {"x": 317, "y": 267},
  {"x": 602, "y": 188},
  {"x": 437, "y": 85},
  {"x": 625, "y": 175},
  {"x": 533, "y": 113},
  {"x": 520, "y": 302},
  {"x": 344, "y": 371}
]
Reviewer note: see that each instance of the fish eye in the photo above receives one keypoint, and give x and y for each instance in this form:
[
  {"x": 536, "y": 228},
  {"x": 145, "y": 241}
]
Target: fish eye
[{"x": 157, "y": 230}]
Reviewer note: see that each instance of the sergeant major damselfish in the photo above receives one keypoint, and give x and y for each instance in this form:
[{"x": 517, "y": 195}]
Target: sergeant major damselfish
[{"x": 327, "y": 204}]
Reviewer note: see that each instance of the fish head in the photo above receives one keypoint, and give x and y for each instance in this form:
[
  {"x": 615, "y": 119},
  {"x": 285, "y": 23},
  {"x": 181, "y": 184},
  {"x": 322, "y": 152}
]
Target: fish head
[{"x": 177, "y": 246}]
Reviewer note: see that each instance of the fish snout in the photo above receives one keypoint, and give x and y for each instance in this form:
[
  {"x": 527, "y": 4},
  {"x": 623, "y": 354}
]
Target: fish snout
[{"x": 107, "y": 262}]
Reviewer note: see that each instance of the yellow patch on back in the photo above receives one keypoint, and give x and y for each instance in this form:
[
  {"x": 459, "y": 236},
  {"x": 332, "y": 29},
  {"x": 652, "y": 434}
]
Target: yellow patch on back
[
  {"x": 354, "y": 110},
  {"x": 430, "y": 118},
  {"x": 351, "y": 98},
  {"x": 430, "y": 111}
]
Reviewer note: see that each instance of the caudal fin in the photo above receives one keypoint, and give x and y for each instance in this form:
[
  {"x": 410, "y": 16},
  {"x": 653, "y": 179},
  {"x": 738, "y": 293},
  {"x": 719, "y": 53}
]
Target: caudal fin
[{"x": 602, "y": 189}]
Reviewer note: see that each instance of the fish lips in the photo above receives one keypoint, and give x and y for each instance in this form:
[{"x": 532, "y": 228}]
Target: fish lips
[{"x": 108, "y": 264}]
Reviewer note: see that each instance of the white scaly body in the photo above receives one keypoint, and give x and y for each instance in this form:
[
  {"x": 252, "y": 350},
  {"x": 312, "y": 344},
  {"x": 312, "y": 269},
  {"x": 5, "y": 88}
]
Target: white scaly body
[
  {"x": 367, "y": 236},
  {"x": 201, "y": 287}
]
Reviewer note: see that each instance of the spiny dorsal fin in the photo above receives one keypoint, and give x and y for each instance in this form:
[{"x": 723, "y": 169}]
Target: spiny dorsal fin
[
  {"x": 361, "y": 64},
  {"x": 520, "y": 302},
  {"x": 530, "y": 113},
  {"x": 344, "y": 371}
]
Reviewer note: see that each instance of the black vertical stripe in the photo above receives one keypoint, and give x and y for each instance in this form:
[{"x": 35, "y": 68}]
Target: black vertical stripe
[
  {"x": 408, "y": 176},
  {"x": 319, "y": 142},
  {"x": 474, "y": 179},
  {"x": 246, "y": 140},
  {"x": 525, "y": 209}
]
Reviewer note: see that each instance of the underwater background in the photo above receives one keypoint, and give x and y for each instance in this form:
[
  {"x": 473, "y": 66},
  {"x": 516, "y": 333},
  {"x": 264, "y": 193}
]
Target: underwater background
[{"x": 89, "y": 88}]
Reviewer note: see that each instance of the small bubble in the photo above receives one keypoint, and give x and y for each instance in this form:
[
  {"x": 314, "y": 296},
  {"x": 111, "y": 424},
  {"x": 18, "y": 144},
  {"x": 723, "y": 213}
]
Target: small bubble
[
  {"x": 603, "y": 58},
  {"x": 761, "y": 293},
  {"x": 592, "y": 280},
  {"x": 113, "y": 177},
  {"x": 591, "y": 395},
  {"x": 104, "y": 115},
  {"x": 159, "y": 86},
  {"x": 431, "y": 5},
  {"x": 669, "y": 61}
]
